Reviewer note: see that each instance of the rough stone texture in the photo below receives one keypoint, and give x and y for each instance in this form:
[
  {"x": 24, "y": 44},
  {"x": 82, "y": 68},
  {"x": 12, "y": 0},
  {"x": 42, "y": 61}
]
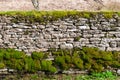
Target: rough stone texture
[
  {"x": 118, "y": 72},
  {"x": 64, "y": 33}
]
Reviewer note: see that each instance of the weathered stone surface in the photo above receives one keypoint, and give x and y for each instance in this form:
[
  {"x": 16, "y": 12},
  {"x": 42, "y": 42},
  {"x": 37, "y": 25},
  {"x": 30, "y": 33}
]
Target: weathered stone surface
[
  {"x": 83, "y": 27},
  {"x": 94, "y": 32},
  {"x": 66, "y": 46},
  {"x": 113, "y": 44},
  {"x": 118, "y": 72}
]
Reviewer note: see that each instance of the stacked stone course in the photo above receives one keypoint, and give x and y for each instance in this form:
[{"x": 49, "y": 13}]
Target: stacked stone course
[{"x": 100, "y": 32}]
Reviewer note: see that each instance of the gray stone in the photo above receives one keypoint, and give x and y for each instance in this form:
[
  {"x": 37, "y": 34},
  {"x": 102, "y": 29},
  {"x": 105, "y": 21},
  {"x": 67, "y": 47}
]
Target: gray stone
[
  {"x": 62, "y": 27},
  {"x": 1, "y": 41},
  {"x": 66, "y": 46},
  {"x": 95, "y": 40},
  {"x": 12, "y": 70},
  {"x": 72, "y": 34},
  {"x": 87, "y": 35},
  {"x": 99, "y": 35},
  {"x": 63, "y": 40},
  {"x": 68, "y": 24},
  {"x": 54, "y": 44},
  {"x": 0, "y": 36},
  {"x": 41, "y": 26},
  {"x": 105, "y": 23},
  {"x": 83, "y": 27},
  {"x": 94, "y": 32},
  {"x": 119, "y": 24},
  {"x": 118, "y": 72},
  {"x": 34, "y": 27},
  {"x": 71, "y": 30},
  {"x": 3, "y": 70},
  {"x": 71, "y": 27},
  {"x": 57, "y": 35},
  {"x": 113, "y": 44},
  {"x": 94, "y": 28},
  {"x": 47, "y": 36},
  {"x": 19, "y": 30},
  {"x": 15, "y": 25},
  {"x": 26, "y": 27},
  {"x": 77, "y": 44},
  {"x": 8, "y": 27}
]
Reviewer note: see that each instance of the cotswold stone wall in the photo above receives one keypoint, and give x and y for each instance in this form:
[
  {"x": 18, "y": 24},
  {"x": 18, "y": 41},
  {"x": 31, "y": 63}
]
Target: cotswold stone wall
[{"x": 100, "y": 32}]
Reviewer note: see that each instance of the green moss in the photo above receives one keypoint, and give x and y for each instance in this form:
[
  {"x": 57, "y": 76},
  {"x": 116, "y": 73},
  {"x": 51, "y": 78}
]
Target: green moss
[
  {"x": 2, "y": 65},
  {"x": 91, "y": 59},
  {"x": 118, "y": 13},
  {"x": 29, "y": 65},
  {"x": 77, "y": 38},
  {"x": 108, "y": 14},
  {"x": 37, "y": 55},
  {"x": 49, "y": 16},
  {"x": 47, "y": 66},
  {"x": 78, "y": 63}
]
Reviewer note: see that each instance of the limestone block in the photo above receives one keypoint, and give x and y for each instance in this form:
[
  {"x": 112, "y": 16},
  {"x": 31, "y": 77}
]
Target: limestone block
[
  {"x": 41, "y": 26},
  {"x": 93, "y": 28},
  {"x": 1, "y": 41},
  {"x": 47, "y": 36},
  {"x": 77, "y": 44},
  {"x": 118, "y": 72},
  {"x": 62, "y": 28},
  {"x": 67, "y": 23},
  {"x": 106, "y": 28},
  {"x": 71, "y": 30},
  {"x": 87, "y": 35},
  {"x": 72, "y": 34},
  {"x": 117, "y": 35},
  {"x": 1, "y": 26},
  {"x": 113, "y": 44},
  {"x": 113, "y": 49},
  {"x": 20, "y": 30},
  {"x": 56, "y": 23},
  {"x": 15, "y": 25},
  {"x": 55, "y": 40},
  {"x": 83, "y": 27},
  {"x": 66, "y": 35},
  {"x": 66, "y": 46},
  {"x": 54, "y": 44},
  {"x": 105, "y": 23},
  {"x": 8, "y": 27},
  {"x": 118, "y": 43},
  {"x": 57, "y": 35},
  {"x": 84, "y": 41},
  {"x": 1, "y": 36},
  {"x": 63, "y": 39},
  {"x": 104, "y": 42},
  {"x": 3, "y": 70},
  {"x": 34, "y": 27},
  {"x": 99, "y": 35},
  {"x": 26, "y": 27},
  {"x": 118, "y": 24},
  {"x": 71, "y": 27},
  {"x": 95, "y": 40}
]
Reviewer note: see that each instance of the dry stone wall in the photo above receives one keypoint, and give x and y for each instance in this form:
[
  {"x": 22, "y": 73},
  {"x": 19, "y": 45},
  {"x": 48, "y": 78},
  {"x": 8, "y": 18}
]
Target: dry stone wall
[{"x": 98, "y": 32}]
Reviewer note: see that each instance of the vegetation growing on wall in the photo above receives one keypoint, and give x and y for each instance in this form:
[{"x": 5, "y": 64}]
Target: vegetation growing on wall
[
  {"x": 48, "y": 16},
  {"x": 90, "y": 59}
]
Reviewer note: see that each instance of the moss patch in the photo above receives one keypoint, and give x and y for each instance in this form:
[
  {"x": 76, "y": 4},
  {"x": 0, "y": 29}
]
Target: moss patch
[
  {"x": 91, "y": 59},
  {"x": 48, "y": 16}
]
